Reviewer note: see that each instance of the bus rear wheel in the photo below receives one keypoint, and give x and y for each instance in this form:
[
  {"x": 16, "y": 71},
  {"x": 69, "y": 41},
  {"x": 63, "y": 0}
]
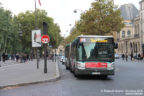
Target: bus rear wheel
[
  {"x": 75, "y": 74},
  {"x": 71, "y": 69}
]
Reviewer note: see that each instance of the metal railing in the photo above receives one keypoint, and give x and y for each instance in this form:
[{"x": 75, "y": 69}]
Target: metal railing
[{"x": 136, "y": 35}]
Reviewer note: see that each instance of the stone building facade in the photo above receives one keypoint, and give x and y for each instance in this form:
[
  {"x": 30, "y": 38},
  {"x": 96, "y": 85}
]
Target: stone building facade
[
  {"x": 129, "y": 38},
  {"x": 141, "y": 27}
]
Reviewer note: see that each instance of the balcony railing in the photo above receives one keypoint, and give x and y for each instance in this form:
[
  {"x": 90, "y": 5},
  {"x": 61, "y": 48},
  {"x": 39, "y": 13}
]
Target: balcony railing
[{"x": 136, "y": 35}]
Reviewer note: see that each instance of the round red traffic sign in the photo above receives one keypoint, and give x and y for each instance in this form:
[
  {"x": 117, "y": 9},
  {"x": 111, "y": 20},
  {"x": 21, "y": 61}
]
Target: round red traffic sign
[{"x": 45, "y": 39}]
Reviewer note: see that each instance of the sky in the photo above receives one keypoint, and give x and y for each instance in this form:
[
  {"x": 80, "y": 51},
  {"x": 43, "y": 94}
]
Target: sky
[{"x": 60, "y": 10}]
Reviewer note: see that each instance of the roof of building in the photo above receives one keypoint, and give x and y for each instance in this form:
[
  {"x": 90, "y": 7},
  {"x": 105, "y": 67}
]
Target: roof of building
[
  {"x": 128, "y": 11},
  {"x": 141, "y": 1}
]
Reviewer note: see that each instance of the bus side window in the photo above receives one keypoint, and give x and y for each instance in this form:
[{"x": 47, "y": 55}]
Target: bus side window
[{"x": 79, "y": 53}]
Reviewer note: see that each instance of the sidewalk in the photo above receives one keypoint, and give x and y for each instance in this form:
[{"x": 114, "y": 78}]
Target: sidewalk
[{"x": 18, "y": 74}]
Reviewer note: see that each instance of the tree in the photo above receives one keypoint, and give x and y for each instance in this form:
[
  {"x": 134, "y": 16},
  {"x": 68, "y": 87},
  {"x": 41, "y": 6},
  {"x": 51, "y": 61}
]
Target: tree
[
  {"x": 8, "y": 32},
  {"x": 27, "y": 24},
  {"x": 102, "y": 18},
  {"x": 10, "y": 26}
]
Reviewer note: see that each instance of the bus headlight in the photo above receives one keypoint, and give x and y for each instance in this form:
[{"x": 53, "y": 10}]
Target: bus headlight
[
  {"x": 81, "y": 65},
  {"x": 110, "y": 66}
]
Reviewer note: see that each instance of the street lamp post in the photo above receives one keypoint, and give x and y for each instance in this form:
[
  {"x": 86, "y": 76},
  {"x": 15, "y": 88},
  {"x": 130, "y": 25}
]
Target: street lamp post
[
  {"x": 141, "y": 31},
  {"x": 35, "y": 16},
  {"x": 37, "y": 50},
  {"x": 75, "y": 11},
  {"x": 130, "y": 17},
  {"x": 126, "y": 48}
]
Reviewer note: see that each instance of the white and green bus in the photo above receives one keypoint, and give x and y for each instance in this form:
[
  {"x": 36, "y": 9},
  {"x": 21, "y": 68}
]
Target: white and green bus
[{"x": 91, "y": 55}]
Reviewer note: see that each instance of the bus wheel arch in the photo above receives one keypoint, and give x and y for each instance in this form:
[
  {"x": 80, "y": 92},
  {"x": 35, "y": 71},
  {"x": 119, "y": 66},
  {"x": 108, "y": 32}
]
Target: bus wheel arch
[{"x": 75, "y": 73}]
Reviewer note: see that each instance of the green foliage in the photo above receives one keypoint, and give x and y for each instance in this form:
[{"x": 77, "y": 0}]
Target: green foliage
[
  {"x": 73, "y": 35},
  {"x": 27, "y": 24},
  {"x": 102, "y": 18},
  {"x": 8, "y": 32},
  {"x": 10, "y": 26}
]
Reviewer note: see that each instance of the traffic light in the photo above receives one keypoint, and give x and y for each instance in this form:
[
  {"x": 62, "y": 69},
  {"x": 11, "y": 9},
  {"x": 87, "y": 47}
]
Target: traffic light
[{"x": 45, "y": 28}]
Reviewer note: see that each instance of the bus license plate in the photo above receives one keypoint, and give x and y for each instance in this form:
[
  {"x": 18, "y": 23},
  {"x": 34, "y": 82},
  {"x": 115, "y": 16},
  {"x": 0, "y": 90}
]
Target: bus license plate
[{"x": 95, "y": 73}]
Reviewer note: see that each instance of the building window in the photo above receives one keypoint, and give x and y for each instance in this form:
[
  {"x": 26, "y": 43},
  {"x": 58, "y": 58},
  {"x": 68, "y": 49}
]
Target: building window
[
  {"x": 123, "y": 34},
  {"x": 129, "y": 33}
]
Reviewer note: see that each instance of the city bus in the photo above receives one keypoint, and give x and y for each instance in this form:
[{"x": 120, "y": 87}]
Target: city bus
[
  {"x": 91, "y": 55},
  {"x": 67, "y": 56}
]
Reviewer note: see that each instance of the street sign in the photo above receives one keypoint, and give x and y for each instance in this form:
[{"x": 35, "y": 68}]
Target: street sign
[
  {"x": 45, "y": 39},
  {"x": 36, "y": 38}
]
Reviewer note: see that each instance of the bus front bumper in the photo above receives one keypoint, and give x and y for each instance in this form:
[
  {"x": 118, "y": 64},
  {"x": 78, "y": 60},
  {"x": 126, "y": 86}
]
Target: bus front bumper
[{"x": 94, "y": 71}]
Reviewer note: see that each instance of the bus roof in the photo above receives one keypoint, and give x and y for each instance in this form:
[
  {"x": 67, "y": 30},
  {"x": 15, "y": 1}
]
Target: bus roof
[{"x": 95, "y": 36}]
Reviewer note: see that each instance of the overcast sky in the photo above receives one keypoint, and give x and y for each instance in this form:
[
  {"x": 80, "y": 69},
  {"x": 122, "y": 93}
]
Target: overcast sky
[{"x": 60, "y": 10}]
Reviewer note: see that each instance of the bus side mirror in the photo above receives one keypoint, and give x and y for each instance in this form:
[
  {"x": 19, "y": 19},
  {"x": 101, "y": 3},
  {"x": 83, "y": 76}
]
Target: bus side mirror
[{"x": 115, "y": 45}]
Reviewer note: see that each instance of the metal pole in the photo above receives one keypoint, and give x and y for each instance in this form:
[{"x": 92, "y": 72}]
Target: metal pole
[
  {"x": 141, "y": 33},
  {"x": 126, "y": 48},
  {"x": 37, "y": 59},
  {"x": 129, "y": 12},
  {"x": 36, "y": 28},
  {"x": 35, "y": 16},
  {"x": 45, "y": 58},
  {"x": 55, "y": 54},
  {"x": 45, "y": 30}
]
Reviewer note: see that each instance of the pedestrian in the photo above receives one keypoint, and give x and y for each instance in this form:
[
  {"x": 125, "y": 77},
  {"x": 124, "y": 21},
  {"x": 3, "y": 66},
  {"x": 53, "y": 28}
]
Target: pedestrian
[
  {"x": 17, "y": 57},
  {"x": 142, "y": 56},
  {"x": 28, "y": 58},
  {"x": 4, "y": 57},
  {"x": 123, "y": 56},
  {"x": 52, "y": 57},
  {"x": 0, "y": 60},
  {"x": 131, "y": 56},
  {"x": 126, "y": 57},
  {"x": 0, "y": 56},
  {"x": 31, "y": 56}
]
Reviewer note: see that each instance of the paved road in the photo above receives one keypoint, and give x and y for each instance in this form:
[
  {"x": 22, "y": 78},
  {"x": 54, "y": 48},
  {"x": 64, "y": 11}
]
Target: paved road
[{"x": 128, "y": 81}]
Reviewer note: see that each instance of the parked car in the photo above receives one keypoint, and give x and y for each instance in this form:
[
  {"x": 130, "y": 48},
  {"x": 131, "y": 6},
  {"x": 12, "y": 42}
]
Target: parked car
[
  {"x": 117, "y": 56},
  {"x": 62, "y": 59}
]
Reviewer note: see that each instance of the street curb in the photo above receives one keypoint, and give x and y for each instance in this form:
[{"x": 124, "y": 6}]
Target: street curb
[{"x": 57, "y": 77}]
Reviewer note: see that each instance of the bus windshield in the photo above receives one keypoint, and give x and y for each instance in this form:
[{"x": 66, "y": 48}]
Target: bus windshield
[{"x": 95, "y": 52}]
